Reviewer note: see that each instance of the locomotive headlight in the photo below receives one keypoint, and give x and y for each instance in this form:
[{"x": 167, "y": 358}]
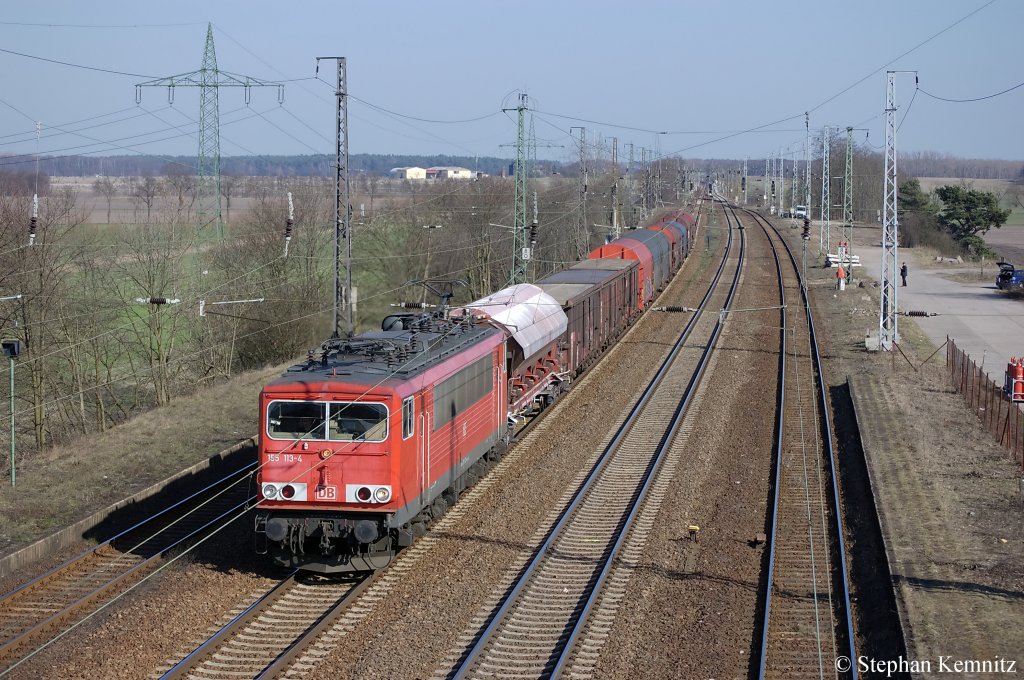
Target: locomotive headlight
[
  {"x": 364, "y": 494},
  {"x": 288, "y": 491},
  {"x": 269, "y": 491},
  {"x": 382, "y": 494}
]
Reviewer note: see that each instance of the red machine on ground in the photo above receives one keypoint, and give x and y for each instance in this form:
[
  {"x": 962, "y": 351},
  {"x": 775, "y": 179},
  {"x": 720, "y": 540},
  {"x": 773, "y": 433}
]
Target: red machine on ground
[{"x": 369, "y": 440}]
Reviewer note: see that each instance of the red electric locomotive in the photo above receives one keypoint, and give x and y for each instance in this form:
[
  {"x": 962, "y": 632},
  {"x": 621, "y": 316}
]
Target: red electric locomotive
[{"x": 361, "y": 446}]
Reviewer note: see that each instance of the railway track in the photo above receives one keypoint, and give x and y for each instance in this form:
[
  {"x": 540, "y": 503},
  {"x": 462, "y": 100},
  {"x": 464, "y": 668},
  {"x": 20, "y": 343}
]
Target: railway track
[
  {"x": 533, "y": 633},
  {"x": 266, "y": 637},
  {"x": 55, "y": 602},
  {"x": 807, "y": 624}
]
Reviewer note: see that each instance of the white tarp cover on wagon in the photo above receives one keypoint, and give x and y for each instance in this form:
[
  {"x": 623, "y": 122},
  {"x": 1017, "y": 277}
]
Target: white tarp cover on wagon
[{"x": 533, "y": 318}]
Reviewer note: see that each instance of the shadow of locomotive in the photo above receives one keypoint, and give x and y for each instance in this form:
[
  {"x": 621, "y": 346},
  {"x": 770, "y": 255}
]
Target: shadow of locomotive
[{"x": 189, "y": 521}]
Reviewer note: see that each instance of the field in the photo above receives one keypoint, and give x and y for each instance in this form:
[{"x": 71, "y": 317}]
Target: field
[{"x": 997, "y": 186}]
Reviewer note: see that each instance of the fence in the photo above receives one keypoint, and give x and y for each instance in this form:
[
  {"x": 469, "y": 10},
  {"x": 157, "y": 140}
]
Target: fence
[{"x": 997, "y": 413}]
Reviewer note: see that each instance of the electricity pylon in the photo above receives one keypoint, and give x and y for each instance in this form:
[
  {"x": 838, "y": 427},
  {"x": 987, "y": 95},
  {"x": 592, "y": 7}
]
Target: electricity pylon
[
  {"x": 581, "y": 234},
  {"x": 848, "y": 198},
  {"x": 209, "y": 79},
  {"x": 521, "y": 252},
  {"x": 824, "y": 234},
  {"x": 807, "y": 162},
  {"x": 888, "y": 331},
  {"x": 616, "y": 229}
]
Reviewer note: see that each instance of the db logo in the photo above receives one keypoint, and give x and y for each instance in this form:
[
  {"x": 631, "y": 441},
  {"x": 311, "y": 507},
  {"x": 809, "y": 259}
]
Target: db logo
[{"x": 326, "y": 493}]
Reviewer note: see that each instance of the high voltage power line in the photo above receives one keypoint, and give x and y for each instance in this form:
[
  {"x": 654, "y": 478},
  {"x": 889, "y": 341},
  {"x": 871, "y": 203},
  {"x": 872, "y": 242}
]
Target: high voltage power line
[{"x": 209, "y": 79}]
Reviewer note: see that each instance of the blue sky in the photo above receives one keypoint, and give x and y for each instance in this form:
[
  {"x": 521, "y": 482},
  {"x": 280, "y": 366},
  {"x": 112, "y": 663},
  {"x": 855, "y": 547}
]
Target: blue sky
[{"x": 697, "y": 70}]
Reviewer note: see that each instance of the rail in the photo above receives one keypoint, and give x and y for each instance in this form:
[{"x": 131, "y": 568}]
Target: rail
[
  {"x": 846, "y": 646},
  {"x": 297, "y": 612},
  {"x": 69, "y": 593}
]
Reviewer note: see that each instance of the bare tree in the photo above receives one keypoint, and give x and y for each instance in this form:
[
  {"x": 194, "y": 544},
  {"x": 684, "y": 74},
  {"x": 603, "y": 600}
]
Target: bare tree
[
  {"x": 105, "y": 188},
  {"x": 145, "y": 192},
  {"x": 229, "y": 185},
  {"x": 43, "y": 275},
  {"x": 154, "y": 267},
  {"x": 295, "y": 288},
  {"x": 180, "y": 187}
]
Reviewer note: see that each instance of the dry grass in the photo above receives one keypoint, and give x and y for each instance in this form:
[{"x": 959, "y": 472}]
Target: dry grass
[
  {"x": 995, "y": 185},
  {"x": 67, "y": 483},
  {"x": 972, "y": 276}
]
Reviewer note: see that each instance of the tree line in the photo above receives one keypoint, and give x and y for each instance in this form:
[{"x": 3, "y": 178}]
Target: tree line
[
  {"x": 915, "y": 163},
  {"x": 318, "y": 165}
]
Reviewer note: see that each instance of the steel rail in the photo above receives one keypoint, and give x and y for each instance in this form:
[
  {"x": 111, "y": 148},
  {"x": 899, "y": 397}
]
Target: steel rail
[
  {"x": 829, "y": 455},
  {"x": 779, "y": 426},
  {"x": 472, "y": 656},
  {"x": 62, "y": 594},
  {"x": 78, "y": 558},
  {"x": 264, "y": 602},
  {"x": 12, "y": 645},
  {"x": 251, "y": 614},
  {"x": 293, "y": 651}
]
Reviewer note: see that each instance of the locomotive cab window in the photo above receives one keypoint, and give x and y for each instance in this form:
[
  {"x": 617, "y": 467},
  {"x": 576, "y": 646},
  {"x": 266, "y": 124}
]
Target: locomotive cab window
[
  {"x": 408, "y": 418},
  {"x": 296, "y": 420},
  {"x": 358, "y": 421}
]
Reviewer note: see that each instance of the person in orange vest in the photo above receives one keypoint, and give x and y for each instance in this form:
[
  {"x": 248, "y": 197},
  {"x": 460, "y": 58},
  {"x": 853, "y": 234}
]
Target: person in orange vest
[{"x": 840, "y": 277}]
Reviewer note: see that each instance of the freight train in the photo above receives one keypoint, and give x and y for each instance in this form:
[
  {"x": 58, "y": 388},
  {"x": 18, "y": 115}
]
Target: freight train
[{"x": 363, "y": 445}]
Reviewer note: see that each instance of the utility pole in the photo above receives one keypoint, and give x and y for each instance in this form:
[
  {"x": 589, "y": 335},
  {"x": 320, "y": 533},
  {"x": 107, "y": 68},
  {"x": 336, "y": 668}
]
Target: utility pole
[
  {"x": 581, "y": 235},
  {"x": 794, "y": 194},
  {"x": 344, "y": 295},
  {"x": 644, "y": 185},
  {"x": 888, "y": 332},
  {"x": 807, "y": 162},
  {"x": 616, "y": 230},
  {"x": 778, "y": 183},
  {"x": 631, "y": 223},
  {"x": 824, "y": 233},
  {"x": 783, "y": 203},
  {"x": 534, "y": 226},
  {"x": 531, "y": 148},
  {"x": 11, "y": 349},
  {"x": 744, "y": 180},
  {"x": 764, "y": 197},
  {"x": 775, "y": 189},
  {"x": 521, "y": 253},
  {"x": 209, "y": 79},
  {"x": 657, "y": 199},
  {"x": 848, "y": 203}
]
